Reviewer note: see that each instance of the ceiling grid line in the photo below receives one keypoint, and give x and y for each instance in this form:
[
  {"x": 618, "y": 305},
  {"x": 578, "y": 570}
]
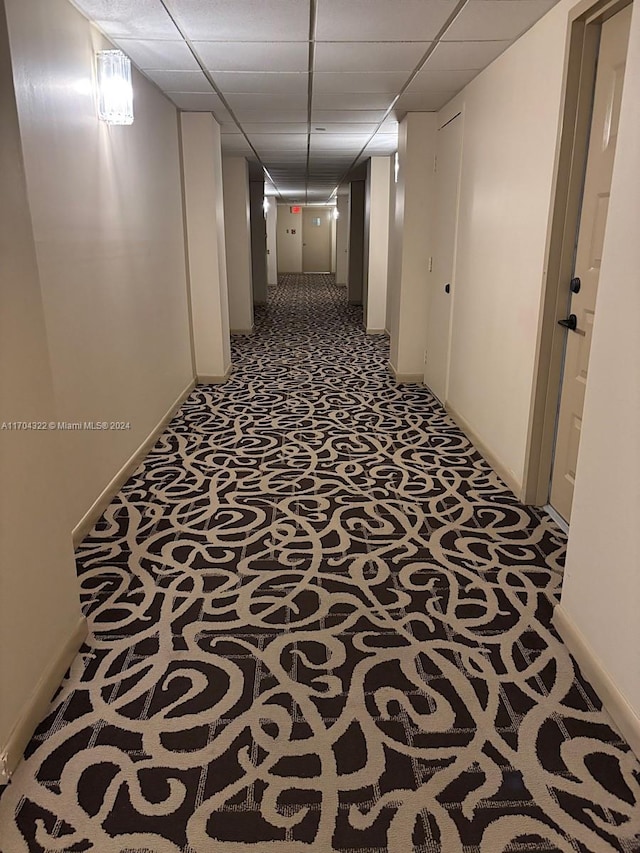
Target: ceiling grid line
[
  {"x": 434, "y": 44},
  {"x": 313, "y": 17},
  {"x": 225, "y": 103},
  {"x": 274, "y": 71}
]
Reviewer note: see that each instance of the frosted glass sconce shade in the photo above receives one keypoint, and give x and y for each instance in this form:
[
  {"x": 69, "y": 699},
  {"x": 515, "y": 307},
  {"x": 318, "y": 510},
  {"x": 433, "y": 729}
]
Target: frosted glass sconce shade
[{"x": 115, "y": 92}]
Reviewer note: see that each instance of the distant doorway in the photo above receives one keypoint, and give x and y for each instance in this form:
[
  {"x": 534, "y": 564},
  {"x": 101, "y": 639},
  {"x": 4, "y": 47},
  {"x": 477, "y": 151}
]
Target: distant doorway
[{"x": 316, "y": 239}]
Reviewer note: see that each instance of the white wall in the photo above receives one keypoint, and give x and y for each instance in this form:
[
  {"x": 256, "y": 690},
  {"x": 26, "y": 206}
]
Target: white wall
[
  {"x": 258, "y": 242},
  {"x": 342, "y": 237},
  {"x": 601, "y": 590},
  {"x": 380, "y": 177},
  {"x": 272, "y": 244},
  {"x": 204, "y": 223},
  {"x": 411, "y": 239},
  {"x": 289, "y": 245},
  {"x": 334, "y": 240},
  {"x": 107, "y": 219},
  {"x": 237, "y": 231},
  {"x": 510, "y": 134},
  {"x": 39, "y": 605}
]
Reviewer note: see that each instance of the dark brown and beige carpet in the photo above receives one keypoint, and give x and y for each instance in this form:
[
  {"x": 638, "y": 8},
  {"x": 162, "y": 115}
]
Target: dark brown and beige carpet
[{"x": 320, "y": 623}]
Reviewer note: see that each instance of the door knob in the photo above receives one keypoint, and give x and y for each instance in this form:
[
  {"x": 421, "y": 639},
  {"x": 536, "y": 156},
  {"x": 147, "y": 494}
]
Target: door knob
[
  {"x": 447, "y": 288},
  {"x": 570, "y": 323}
]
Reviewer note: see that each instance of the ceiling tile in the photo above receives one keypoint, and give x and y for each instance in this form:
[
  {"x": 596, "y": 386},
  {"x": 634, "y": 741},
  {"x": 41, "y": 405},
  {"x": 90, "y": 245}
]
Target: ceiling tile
[
  {"x": 462, "y": 55},
  {"x": 253, "y": 56},
  {"x": 145, "y": 18},
  {"x": 429, "y": 80},
  {"x": 352, "y": 100},
  {"x": 389, "y": 125},
  {"x": 366, "y": 82},
  {"x": 284, "y": 83},
  {"x": 198, "y": 102},
  {"x": 280, "y": 140},
  {"x": 367, "y": 56},
  {"x": 160, "y": 55},
  {"x": 267, "y": 114},
  {"x": 275, "y": 127},
  {"x": 181, "y": 81},
  {"x": 347, "y": 127},
  {"x": 379, "y": 20},
  {"x": 249, "y": 20},
  {"x": 243, "y": 102},
  {"x": 352, "y": 116},
  {"x": 496, "y": 19},
  {"x": 337, "y": 141}
]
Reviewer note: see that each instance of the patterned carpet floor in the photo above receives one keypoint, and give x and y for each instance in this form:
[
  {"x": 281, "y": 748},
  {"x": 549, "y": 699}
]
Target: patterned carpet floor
[{"x": 319, "y": 622}]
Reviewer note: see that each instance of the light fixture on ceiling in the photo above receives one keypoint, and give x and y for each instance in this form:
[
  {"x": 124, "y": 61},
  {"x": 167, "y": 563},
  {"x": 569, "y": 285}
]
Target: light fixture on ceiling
[{"x": 115, "y": 91}]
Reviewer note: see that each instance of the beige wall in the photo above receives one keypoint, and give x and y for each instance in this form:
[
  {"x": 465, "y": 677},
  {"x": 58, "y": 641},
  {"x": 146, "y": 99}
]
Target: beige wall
[
  {"x": 39, "y": 606},
  {"x": 357, "y": 216},
  {"x": 207, "y": 260},
  {"x": 272, "y": 242},
  {"x": 509, "y": 147},
  {"x": 258, "y": 242},
  {"x": 342, "y": 237},
  {"x": 107, "y": 220},
  {"x": 237, "y": 230},
  {"x": 380, "y": 176},
  {"x": 412, "y": 243},
  {"x": 289, "y": 245},
  {"x": 334, "y": 241},
  {"x": 601, "y": 591}
]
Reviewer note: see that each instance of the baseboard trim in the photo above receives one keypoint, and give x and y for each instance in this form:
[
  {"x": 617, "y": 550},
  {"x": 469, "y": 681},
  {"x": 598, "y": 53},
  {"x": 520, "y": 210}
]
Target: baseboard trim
[
  {"x": 103, "y": 500},
  {"x": 405, "y": 378},
  {"x": 613, "y": 701},
  {"x": 501, "y": 470},
  {"x": 39, "y": 701},
  {"x": 243, "y": 331},
  {"x": 376, "y": 331},
  {"x": 211, "y": 379}
]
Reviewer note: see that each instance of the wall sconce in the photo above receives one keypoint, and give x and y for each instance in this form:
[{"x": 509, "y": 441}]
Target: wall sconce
[
  {"x": 336, "y": 213},
  {"x": 115, "y": 92},
  {"x": 396, "y": 167},
  {"x": 265, "y": 206}
]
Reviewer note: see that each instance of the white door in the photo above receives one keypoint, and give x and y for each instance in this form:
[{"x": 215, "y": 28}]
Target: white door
[
  {"x": 316, "y": 239},
  {"x": 448, "y": 154},
  {"x": 593, "y": 219}
]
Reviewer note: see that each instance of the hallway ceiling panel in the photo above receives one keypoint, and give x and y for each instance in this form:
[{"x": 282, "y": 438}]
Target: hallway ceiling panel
[
  {"x": 368, "y": 56},
  {"x": 464, "y": 55},
  {"x": 253, "y": 56},
  {"x": 335, "y": 82},
  {"x": 149, "y": 54},
  {"x": 497, "y": 19},
  {"x": 309, "y": 89},
  {"x": 180, "y": 81},
  {"x": 382, "y": 20},
  {"x": 263, "y": 82},
  {"x": 242, "y": 20}
]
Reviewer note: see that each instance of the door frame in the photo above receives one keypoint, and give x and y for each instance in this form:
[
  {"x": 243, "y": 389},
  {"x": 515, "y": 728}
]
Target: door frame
[{"x": 583, "y": 41}]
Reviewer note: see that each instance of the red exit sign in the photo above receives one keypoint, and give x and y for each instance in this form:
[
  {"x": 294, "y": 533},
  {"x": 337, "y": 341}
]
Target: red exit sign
[{"x": 296, "y": 209}]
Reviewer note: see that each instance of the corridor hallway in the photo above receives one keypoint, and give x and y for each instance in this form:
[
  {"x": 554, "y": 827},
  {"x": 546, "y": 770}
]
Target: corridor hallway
[{"x": 319, "y": 622}]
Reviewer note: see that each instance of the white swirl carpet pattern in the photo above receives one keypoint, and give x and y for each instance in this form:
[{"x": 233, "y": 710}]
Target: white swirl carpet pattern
[{"x": 320, "y": 623}]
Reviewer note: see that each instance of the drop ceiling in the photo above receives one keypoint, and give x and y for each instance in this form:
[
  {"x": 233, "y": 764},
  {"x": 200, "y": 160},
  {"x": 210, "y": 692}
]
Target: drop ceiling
[{"x": 308, "y": 89}]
